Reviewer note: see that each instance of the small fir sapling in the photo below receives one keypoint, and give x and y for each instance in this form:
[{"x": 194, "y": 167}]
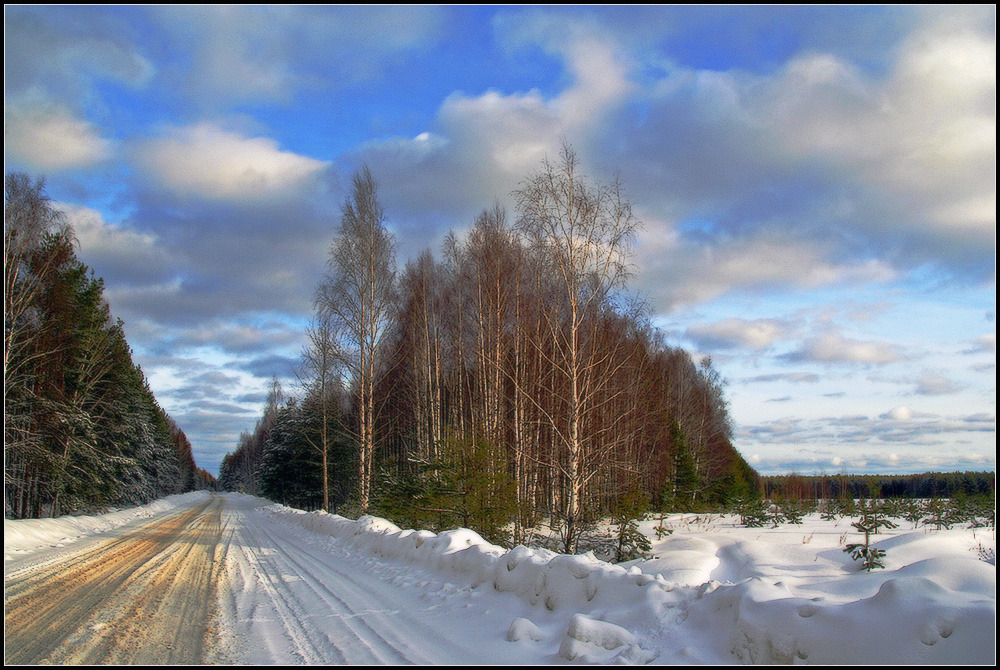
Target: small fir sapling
[
  {"x": 913, "y": 512},
  {"x": 869, "y": 523},
  {"x": 938, "y": 515},
  {"x": 831, "y": 510},
  {"x": 661, "y": 530},
  {"x": 793, "y": 513},
  {"x": 776, "y": 515},
  {"x": 631, "y": 542},
  {"x": 753, "y": 513}
]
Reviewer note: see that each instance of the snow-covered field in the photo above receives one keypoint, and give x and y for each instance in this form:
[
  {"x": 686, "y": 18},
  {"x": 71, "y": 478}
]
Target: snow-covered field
[{"x": 319, "y": 588}]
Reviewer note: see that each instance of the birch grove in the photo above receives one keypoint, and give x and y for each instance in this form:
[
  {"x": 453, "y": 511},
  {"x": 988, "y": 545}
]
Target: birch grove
[{"x": 513, "y": 380}]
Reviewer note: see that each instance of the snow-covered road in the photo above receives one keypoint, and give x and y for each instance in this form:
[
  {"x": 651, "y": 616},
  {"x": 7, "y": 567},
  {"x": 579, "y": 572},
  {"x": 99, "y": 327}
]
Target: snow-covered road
[
  {"x": 289, "y": 587},
  {"x": 294, "y": 597}
]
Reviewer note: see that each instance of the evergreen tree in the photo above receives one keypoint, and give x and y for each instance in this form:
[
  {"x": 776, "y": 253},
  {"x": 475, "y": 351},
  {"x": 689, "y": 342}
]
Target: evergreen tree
[
  {"x": 82, "y": 429},
  {"x": 683, "y": 488}
]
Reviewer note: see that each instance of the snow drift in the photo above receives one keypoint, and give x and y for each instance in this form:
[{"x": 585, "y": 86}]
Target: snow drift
[{"x": 722, "y": 593}]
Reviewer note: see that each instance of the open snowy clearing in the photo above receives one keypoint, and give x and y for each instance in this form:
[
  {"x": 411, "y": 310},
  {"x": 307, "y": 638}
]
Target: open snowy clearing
[{"x": 317, "y": 588}]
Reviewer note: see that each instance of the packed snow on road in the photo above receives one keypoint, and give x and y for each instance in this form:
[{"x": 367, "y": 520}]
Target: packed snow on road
[{"x": 312, "y": 588}]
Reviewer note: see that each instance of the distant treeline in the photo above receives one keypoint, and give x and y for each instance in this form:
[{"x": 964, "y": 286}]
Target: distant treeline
[
  {"x": 82, "y": 430},
  {"x": 924, "y": 485}
]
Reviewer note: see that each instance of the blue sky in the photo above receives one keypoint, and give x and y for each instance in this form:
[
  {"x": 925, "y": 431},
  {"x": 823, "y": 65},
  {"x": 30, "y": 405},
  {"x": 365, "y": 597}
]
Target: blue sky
[{"x": 816, "y": 186}]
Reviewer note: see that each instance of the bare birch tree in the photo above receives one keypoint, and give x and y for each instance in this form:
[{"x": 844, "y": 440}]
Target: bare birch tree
[
  {"x": 357, "y": 297},
  {"x": 584, "y": 230},
  {"x": 319, "y": 373}
]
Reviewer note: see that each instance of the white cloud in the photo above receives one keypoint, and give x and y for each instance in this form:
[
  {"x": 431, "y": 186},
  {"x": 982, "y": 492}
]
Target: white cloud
[
  {"x": 118, "y": 252},
  {"x": 66, "y": 53},
  {"x": 678, "y": 273},
  {"x": 926, "y": 135},
  {"x": 46, "y": 136},
  {"x": 272, "y": 53},
  {"x": 984, "y": 343},
  {"x": 485, "y": 144},
  {"x": 901, "y": 413},
  {"x": 933, "y": 384},
  {"x": 757, "y": 334},
  {"x": 722, "y": 142},
  {"x": 207, "y": 161},
  {"x": 834, "y": 348}
]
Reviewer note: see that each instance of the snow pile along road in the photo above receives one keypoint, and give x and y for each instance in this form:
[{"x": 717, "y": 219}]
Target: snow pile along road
[
  {"x": 28, "y": 535},
  {"x": 575, "y": 589},
  {"x": 717, "y": 593}
]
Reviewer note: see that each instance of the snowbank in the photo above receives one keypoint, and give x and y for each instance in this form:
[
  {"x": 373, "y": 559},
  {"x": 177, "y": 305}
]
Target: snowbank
[
  {"x": 719, "y": 593},
  {"x": 24, "y": 536},
  {"x": 538, "y": 576}
]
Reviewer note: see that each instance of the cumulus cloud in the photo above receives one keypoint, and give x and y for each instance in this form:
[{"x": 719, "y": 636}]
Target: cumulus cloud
[
  {"x": 848, "y": 163},
  {"x": 121, "y": 254},
  {"x": 901, "y": 413},
  {"x": 594, "y": 57},
  {"x": 680, "y": 273},
  {"x": 927, "y": 135},
  {"x": 835, "y": 348},
  {"x": 481, "y": 146},
  {"x": 788, "y": 167},
  {"x": 738, "y": 333},
  {"x": 64, "y": 53},
  {"x": 983, "y": 344},
  {"x": 46, "y": 136},
  {"x": 207, "y": 161}
]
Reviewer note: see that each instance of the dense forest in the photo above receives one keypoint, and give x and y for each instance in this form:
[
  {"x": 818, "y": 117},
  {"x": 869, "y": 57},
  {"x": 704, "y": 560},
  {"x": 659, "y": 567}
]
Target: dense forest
[
  {"x": 510, "y": 379},
  {"x": 82, "y": 430},
  {"x": 926, "y": 485}
]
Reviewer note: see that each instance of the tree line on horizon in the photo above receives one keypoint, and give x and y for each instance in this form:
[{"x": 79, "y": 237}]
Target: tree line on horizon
[
  {"x": 82, "y": 430},
  {"x": 925, "y": 485},
  {"x": 511, "y": 379}
]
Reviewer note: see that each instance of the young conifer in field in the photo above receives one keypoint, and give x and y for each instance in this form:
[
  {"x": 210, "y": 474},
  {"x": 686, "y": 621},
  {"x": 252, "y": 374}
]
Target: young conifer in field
[{"x": 869, "y": 523}]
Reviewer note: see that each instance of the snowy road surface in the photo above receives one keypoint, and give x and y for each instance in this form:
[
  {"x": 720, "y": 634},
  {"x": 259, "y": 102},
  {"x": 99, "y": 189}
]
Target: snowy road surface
[
  {"x": 143, "y": 598},
  {"x": 284, "y": 596},
  {"x": 228, "y": 578},
  {"x": 302, "y": 598}
]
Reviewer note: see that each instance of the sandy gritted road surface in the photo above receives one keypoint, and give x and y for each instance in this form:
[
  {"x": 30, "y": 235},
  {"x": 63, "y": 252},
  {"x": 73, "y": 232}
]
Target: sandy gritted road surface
[
  {"x": 225, "y": 581},
  {"x": 147, "y": 597}
]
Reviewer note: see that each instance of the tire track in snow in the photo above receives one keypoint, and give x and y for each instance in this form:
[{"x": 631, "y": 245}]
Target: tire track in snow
[
  {"x": 305, "y": 567},
  {"x": 302, "y": 603},
  {"x": 330, "y": 608},
  {"x": 256, "y": 573}
]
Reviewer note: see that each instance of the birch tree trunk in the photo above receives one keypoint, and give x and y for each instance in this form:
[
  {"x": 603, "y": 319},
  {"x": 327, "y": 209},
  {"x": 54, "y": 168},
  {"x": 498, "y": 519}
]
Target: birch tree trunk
[
  {"x": 583, "y": 230},
  {"x": 357, "y": 295}
]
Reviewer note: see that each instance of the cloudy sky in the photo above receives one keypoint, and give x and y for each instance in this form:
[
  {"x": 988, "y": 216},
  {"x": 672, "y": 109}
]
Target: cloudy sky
[{"x": 816, "y": 185}]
